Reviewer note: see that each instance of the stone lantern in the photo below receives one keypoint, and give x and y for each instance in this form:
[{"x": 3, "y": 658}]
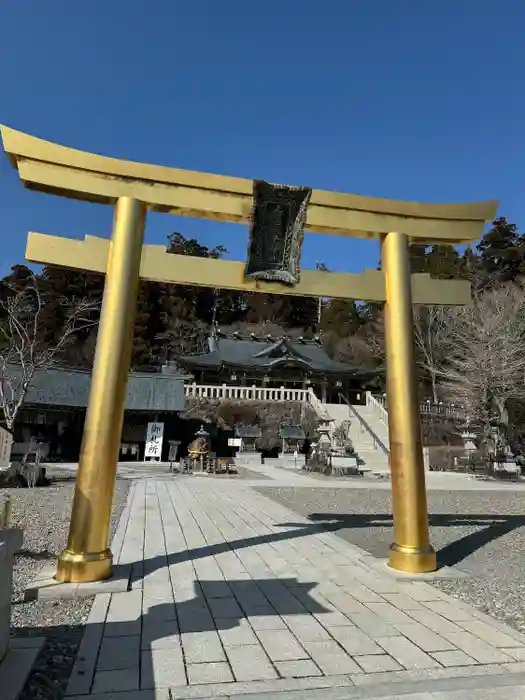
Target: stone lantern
[{"x": 325, "y": 444}]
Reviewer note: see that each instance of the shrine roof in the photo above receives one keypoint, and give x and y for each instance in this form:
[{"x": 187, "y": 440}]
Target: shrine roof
[
  {"x": 268, "y": 353},
  {"x": 292, "y": 432},
  {"x": 58, "y": 386},
  {"x": 247, "y": 431}
]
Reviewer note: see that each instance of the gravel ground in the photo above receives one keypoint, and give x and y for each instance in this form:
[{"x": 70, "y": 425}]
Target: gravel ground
[
  {"x": 43, "y": 513},
  {"x": 482, "y": 533}
]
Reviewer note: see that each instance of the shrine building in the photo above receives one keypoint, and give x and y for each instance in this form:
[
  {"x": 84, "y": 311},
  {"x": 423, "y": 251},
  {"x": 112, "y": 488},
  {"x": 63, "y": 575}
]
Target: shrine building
[{"x": 276, "y": 362}]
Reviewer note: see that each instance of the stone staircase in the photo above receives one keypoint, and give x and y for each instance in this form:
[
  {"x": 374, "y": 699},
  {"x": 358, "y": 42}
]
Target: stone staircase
[{"x": 368, "y": 431}]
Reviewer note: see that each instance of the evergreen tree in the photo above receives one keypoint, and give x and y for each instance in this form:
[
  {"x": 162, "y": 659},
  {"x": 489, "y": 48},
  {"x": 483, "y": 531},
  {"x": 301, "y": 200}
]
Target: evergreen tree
[
  {"x": 502, "y": 251},
  {"x": 469, "y": 263},
  {"x": 205, "y": 303},
  {"x": 340, "y": 318},
  {"x": 418, "y": 258},
  {"x": 60, "y": 286},
  {"x": 443, "y": 262}
]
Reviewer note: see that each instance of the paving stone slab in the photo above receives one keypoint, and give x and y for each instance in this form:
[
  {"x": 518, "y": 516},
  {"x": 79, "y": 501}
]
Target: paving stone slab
[
  {"x": 489, "y": 634},
  {"x": 515, "y": 667},
  {"x": 378, "y": 663},
  {"x": 225, "y": 607},
  {"x": 250, "y": 663},
  {"x": 17, "y": 665},
  {"x": 234, "y": 632},
  {"x": 389, "y": 613},
  {"x": 216, "y": 589},
  {"x": 160, "y": 634},
  {"x": 201, "y": 647},
  {"x": 354, "y": 641},
  {"x": 407, "y": 654},
  {"x": 306, "y": 628},
  {"x": 403, "y": 601},
  {"x": 373, "y": 625},
  {"x": 193, "y": 620},
  {"x": 156, "y": 609},
  {"x": 214, "y": 672},
  {"x": 478, "y": 649},
  {"x": 449, "y": 611},
  {"x": 116, "y": 680},
  {"x": 435, "y": 622},
  {"x": 162, "y": 668},
  {"x": 297, "y": 669},
  {"x": 266, "y": 622},
  {"x": 517, "y": 653},
  {"x": 119, "y": 653},
  {"x": 281, "y": 645},
  {"x": 335, "y": 618},
  {"x": 331, "y": 658},
  {"x": 420, "y": 591},
  {"x": 345, "y": 603},
  {"x": 424, "y": 638},
  {"x": 84, "y": 667},
  {"x": 453, "y": 658}
]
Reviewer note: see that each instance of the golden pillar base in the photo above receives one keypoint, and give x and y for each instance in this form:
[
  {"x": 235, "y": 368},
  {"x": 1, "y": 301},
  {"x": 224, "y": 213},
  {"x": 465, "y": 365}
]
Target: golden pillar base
[
  {"x": 412, "y": 559},
  {"x": 82, "y": 568}
]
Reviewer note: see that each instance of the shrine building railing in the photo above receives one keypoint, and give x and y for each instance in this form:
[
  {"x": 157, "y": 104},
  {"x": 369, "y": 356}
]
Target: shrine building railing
[
  {"x": 248, "y": 393},
  {"x": 379, "y": 405}
]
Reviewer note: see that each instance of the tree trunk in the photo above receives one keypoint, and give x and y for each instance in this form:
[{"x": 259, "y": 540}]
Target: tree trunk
[
  {"x": 502, "y": 409},
  {"x": 433, "y": 379}
]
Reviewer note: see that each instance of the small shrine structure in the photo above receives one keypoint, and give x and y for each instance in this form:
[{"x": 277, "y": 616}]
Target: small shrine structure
[
  {"x": 248, "y": 434},
  {"x": 293, "y": 437}
]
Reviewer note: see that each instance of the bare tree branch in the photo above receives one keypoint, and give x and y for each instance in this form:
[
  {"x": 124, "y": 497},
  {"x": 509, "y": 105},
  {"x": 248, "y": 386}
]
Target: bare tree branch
[
  {"x": 433, "y": 342},
  {"x": 486, "y": 361},
  {"x": 183, "y": 337},
  {"x": 24, "y": 347}
]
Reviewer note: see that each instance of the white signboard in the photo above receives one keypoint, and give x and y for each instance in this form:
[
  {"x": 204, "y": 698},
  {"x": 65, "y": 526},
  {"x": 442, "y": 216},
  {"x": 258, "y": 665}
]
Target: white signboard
[
  {"x": 6, "y": 441},
  {"x": 154, "y": 436},
  {"x": 234, "y": 442}
]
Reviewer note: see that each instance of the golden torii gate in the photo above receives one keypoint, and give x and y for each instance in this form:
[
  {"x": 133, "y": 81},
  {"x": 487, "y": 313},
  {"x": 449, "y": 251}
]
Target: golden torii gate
[{"x": 134, "y": 188}]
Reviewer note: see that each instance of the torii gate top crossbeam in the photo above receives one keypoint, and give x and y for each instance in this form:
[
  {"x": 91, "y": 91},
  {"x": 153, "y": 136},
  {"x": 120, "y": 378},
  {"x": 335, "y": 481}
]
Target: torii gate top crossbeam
[{"x": 56, "y": 169}]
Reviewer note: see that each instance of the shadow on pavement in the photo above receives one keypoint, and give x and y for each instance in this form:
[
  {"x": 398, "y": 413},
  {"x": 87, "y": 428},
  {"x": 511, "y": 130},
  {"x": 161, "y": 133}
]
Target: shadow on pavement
[
  {"x": 489, "y": 528},
  {"x": 130, "y": 653}
]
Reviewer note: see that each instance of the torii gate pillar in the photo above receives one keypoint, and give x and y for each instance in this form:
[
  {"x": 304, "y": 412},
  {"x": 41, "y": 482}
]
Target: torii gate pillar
[
  {"x": 411, "y": 550},
  {"x": 87, "y": 556}
]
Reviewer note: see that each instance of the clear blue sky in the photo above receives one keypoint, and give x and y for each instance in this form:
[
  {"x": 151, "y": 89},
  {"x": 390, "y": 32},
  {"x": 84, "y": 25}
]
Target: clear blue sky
[{"x": 405, "y": 99}]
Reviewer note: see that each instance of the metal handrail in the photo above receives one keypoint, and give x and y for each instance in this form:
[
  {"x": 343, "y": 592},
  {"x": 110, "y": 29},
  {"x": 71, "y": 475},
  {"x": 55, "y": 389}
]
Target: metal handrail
[
  {"x": 365, "y": 425},
  {"x": 428, "y": 408}
]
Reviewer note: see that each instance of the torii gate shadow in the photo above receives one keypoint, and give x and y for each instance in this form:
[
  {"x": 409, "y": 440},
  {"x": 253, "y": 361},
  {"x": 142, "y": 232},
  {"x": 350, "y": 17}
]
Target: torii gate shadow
[
  {"x": 491, "y": 527},
  {"x": 126, "y": 651}
]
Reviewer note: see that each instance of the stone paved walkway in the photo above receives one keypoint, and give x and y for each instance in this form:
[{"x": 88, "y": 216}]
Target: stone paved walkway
[{"x": 233, "y": 593}]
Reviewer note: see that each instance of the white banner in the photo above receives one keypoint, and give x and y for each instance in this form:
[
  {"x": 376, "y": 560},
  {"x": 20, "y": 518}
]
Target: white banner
[
  {"x": 154, "y": 436},
  {"x": 234, "y": 442}
]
